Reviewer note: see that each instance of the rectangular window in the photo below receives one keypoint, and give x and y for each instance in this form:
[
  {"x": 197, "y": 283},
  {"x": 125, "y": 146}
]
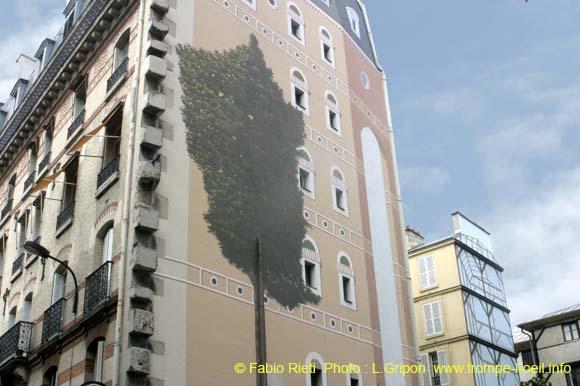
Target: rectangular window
[
  {"x": 427, "y": 278},
  {"x": 333, "y": 120},
  {"x": 70, "y": 20},
  {"x": 339, "y": 199},
  {"x": 305, "y": 180},
  {"x": 22, "y": 231},
  {"x": 570, "y": 331},
  {"x": 310, "y": 274},
  {"x": 354, "y": 382},
  {"x": 80, "y": 99},
  {"x": 432, "y": 316},
  {"x": 300, "y": 98},
  {"x": 316, "y": 378},
  {"x": 99, "y": 361},
  {"x": 346, "y": 289},
  {"x": 37, "y": 220},
  {"x": 296, "y": 29},
  {"x": 70, "y": 181},
  {"x": 434, "y": 362}
]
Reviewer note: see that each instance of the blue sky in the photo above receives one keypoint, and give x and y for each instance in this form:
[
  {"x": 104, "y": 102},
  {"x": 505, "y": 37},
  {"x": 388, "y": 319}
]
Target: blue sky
[{"x": 485, "y": 97}]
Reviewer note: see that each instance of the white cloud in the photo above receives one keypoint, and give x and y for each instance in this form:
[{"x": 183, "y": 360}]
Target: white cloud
[
  {"x": 425, "y": 180},
  {"x": 536, "y": 241}
]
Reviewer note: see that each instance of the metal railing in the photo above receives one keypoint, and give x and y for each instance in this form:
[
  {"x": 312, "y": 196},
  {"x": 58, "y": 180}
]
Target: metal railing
[
  {"x": 44, "y": 163},
  {"x": 7, "y": 208},
  {"x": 111, "y": 168},
  {"x": 16, "y": 342},
  {"x": 29, "y": 180},
  {"x": 77, "y": 122},
  {"x": 65, "y": 215},
  {"x": 18, "y": 263},
  {"x": 119, "y": 72},
  {"x": 97, "y": 287},
  {"x": 476, "y": 245},
  {"x": 52, "y": 323}
]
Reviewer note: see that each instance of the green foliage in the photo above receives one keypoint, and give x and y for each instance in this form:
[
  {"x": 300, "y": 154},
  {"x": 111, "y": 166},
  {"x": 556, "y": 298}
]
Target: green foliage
[
  {"x": 538, "y": 380},
  {"x": 244, "y": 137}
]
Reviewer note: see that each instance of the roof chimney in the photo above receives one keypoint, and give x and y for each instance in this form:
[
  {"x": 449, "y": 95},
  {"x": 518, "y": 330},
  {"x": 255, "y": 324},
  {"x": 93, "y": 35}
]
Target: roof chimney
[{"x": 414, "y": 237}]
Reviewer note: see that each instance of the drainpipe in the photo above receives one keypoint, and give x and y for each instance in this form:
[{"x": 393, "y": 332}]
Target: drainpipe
[
  {"x": 127, "y": 199},
  {"x": 399, "y": 205},
  {"x": 532, "y": 345}
]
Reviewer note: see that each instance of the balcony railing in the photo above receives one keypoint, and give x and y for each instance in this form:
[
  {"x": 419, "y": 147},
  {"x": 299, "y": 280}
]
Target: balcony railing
[
  {"x": 97, "y": 287},
  {"x": 7, "y": 208},
  {"x": 44, "y": 163},
  {"x": 18, "y": 264},
  {"x": 52, "y": 323},
  {"x": 110, "y": 169},
  {"x": 15, "y": 343},
  {"x": 77, "y": 122},
  {"x": 65, "y": 215},
  {"x": 28, "y": 182},
  {"x": 119, "y": 73}
]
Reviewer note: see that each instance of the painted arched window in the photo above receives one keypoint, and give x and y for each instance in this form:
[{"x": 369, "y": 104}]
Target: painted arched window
[
  {"x": 306, "y": 173},
  {"x": 332, "y": 113},
  {"x": 95, "y": 360},
  {"x": 354, "y": 20},
  {"x": 105, "y": 243},
  {"x": 27, "y": 308},
  {"x": 10, "y": 192},
  {"x": 339, "y": 191},
  {"x": 311, "y": 266},
  {"x": 295, "y": 23},
  {"x": 59, "y": 284},
  {"x": 346, "y": 281},
  {"x": 354, "y": 380},
  {"x": 299, "y": 86},
  {"x": 326, "y": 46},
  {"x": 121, "y": 53},
  {"x": 316, "y": 376}
]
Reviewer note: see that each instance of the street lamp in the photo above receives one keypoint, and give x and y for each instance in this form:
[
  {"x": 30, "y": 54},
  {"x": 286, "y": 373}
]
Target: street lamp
[{"x": 37, "y": 249}]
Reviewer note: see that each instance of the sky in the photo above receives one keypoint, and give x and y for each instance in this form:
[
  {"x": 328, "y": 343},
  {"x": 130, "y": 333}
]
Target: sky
[{"x": 485, "y": 98}]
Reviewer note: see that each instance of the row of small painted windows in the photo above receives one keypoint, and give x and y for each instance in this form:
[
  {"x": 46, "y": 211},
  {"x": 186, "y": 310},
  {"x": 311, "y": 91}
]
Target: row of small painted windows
[
  {"x": 306, "y": 173},
  {"x": 95, "y": 360},
  {"x": 317, "y": 376},
  {"x": 104, "y": 254},
  {"x": 571, "y": 331},
  {"x": 311, "y": 273},
  {"x": 432, "y": 362}
]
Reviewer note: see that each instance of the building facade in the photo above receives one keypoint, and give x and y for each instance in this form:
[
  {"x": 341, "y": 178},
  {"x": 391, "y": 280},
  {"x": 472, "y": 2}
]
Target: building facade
[
  {"x": 462, "y": 314},
  {"x": 555, "y": 340},
  {"x": 218, "y": 179}
]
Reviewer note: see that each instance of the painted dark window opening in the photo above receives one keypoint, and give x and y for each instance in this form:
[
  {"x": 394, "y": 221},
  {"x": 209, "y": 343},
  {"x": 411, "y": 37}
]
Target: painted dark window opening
[{"x": 570, "y": 331}]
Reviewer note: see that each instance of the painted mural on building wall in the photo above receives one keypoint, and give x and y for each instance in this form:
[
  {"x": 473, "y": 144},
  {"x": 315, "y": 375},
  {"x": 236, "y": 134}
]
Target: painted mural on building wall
[{"x": 244, "y": 136}]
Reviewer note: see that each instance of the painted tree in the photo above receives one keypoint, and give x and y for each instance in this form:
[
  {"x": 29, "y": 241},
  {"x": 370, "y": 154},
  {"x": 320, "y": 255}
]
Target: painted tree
[
  {"x": 538, "y": 380},
  {"x": 244, "y": 136}
]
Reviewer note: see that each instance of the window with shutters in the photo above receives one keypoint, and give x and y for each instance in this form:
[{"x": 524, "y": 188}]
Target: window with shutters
[
  {"x": 435, "y": 372},
  {"x": 432, "y": 316},
  {"x": 427, "y": 278}
]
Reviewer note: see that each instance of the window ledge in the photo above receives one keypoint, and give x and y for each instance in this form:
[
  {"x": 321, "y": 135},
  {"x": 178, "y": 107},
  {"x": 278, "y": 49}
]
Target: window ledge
[
  {"x": 427, "y": 289},
  {"x": 107, "y": 184},
  {"x": 350, "y": 306},
  {"x": 16, "y": 275},
  {"x": 64, "y": 227},
  {"x": 434, "y": 336},
  {"x": 29, "y": 260}
]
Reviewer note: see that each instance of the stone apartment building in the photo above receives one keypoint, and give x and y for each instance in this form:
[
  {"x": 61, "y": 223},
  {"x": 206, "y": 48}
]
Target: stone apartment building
[
  {"x": 555, "y": 340},
  {"x": 462, "y": 314},
  {"x": 216, "y": 183}
]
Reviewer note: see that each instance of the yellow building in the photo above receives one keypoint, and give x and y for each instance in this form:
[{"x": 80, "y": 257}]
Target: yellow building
[{"x": 460, "y": 307}]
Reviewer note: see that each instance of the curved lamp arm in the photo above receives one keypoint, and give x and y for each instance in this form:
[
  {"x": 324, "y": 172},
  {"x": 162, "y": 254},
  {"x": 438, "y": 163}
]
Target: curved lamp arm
[{"x": 37, "y": 249}]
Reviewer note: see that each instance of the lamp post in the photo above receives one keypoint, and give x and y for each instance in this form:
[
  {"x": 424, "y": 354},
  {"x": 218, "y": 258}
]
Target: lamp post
[{"x": 37, "y": 249}]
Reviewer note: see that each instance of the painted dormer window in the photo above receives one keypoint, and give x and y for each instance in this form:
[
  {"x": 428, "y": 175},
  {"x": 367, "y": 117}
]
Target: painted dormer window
[{"x": 354, "y": 19}]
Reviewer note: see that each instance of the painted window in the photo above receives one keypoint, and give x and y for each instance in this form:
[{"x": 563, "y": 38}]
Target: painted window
[
  {"x": 299, "y": 87},
  {"x": 306, "y": 173},
  {"x": 95, "y": 360},
  {"x": 346, "y": 281},
  {"x": 80, "y": 99},
  {"x": 12, "y": 317},
  {"x": 432, "y": 316},
  {"x": 59, "y": 284},
  {"x": 354, "y": 19},
  {"x": 339, "y": 192},
  {"x": 427, "y": 278},
  {"x": 431, "y": 361},
  {"x": 311, "y": 266},
  {"x": 332, "y": 113},
  {"x": 50, "y": 377},
  {"x": 295, "y": 23},
  {"x": 326, "y": 47},
  {"x": 250, "y": 3},
  {"x": 316, "y": 377},
  {"x": 27, "y": 308},
  {"x": 570, "y": 331}
]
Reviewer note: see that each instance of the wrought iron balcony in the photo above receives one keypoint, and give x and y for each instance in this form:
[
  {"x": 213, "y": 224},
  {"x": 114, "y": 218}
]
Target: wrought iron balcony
[
  {"x": 120, "y": 72},
  {"x": 18, "y": 263},
  {"x": 65, "y": 215},
  {"x": 110, "y": 169},
  {"x": 28, "y": 182},
  {"x": 77, "y": 122},
  {"x": 15, "y": 343},
  {"x": 97, "y": 287},
  {"x": 44, "y": 163},
  {"x": 7, "y": 208},
  {"x": 52, "y": 323}
]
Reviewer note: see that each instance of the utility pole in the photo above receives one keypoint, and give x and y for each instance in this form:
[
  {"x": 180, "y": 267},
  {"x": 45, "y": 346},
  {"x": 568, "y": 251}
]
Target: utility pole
[{"x": 260, "y": 316}]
